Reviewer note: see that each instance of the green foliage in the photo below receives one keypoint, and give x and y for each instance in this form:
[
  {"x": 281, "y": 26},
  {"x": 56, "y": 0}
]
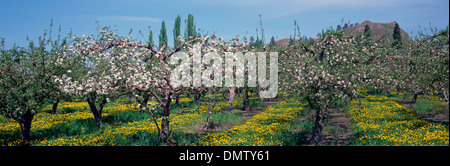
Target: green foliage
[
  {"x": 272, "y": 42},
  {"x": 176, "y": 31},
  {"x": 367, "y": 32},
  {"x": 163, "y": 35},
  {"x": 345, "y": 26},
  {"x": 190, "y": 31},
  {"x": 397, "y": 36},
  {"x": 338, "y": 27},
  {"x": 150, "y": 37},
  {"x": 26, "y": 78}
]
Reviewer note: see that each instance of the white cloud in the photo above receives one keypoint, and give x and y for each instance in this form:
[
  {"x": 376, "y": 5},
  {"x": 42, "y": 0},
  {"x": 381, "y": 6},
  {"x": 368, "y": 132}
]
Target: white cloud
[{"x": 131, "y": 18}]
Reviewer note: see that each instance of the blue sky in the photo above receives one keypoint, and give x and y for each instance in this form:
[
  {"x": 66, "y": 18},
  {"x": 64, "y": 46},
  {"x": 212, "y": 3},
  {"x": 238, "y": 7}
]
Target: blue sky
[{"x": 22, "y": 18}]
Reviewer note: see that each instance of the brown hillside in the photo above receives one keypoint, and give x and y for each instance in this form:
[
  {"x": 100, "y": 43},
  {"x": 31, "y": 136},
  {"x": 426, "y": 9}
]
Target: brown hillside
[
  {"x": 378, "y": 30},
  {"x": 282, "y": 42}
]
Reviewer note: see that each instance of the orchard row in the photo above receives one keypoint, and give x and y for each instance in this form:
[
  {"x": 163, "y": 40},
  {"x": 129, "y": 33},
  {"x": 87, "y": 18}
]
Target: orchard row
[{"x": 98, "y": 68}]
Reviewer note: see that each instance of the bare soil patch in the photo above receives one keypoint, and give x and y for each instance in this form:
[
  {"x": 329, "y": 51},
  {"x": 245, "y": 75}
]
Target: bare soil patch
[{"x": 337, "y": 128}]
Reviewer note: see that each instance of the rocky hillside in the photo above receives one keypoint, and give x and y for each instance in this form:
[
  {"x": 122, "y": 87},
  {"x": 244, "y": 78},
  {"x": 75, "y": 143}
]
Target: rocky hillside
[
  {"x": 378, "y": 30},
  {"x": 282, "y": 42}
]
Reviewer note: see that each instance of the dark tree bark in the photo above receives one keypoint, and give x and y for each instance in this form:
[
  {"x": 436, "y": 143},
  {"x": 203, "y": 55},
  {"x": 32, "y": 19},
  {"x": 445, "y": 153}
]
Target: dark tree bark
[
  {"x": 55, "y": 106},
  {"x": 414, "y": 100},
  {"x": 246, "y": 104},
  {"x": 25, "y": 125},
  {"x": 177, "y": 99},
  {"x": 320, "y": 113},
  {"x": 197, "y": 97},
  {"x": 96, "y": 111},
  {"x": 164, "y": 133}
]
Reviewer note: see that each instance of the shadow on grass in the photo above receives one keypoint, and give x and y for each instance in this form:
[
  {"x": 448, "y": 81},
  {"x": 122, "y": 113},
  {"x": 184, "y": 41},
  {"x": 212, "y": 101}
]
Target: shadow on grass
[
  {"x": 87, "y": 126},
  {"x": 299, "y": 139}
]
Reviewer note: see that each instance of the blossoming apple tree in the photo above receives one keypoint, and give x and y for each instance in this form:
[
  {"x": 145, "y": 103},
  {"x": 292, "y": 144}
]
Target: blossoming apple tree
[
  {"x": 330, "y": 70},
  {"x": 27, "y": 79},
  {"x": 424, "y": 66},
  {"x": 116, "y": 65}
]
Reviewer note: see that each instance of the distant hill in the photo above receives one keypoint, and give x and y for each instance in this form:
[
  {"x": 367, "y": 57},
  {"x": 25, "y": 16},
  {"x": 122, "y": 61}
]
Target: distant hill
[
  {"x": 378, "y": 31},
  {"x": 282, "y": 42}
]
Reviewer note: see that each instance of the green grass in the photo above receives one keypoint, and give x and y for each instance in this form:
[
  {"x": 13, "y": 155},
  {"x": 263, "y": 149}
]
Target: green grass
[
  {"x": 278, "y": 128},
  {"x": 78, "y": 123},
  {"x": 379, "y": 121},
  {"x": 267, "y": 128}
]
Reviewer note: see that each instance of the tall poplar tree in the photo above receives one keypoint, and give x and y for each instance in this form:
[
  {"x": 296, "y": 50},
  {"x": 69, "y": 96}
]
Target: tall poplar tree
[
  {"x": 162, "y": 35},
  {"x": 150, "y": 37},
  {"x": 176, "y": 31},
  {"x": 190, "y": 27}
]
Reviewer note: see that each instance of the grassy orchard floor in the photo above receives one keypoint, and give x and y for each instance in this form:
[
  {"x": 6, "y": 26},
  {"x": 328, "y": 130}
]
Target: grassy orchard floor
[
  {"x": 378, "y": 120},
  {"x": 123, "y": 124},
  {"x": 268, "y": 128}
]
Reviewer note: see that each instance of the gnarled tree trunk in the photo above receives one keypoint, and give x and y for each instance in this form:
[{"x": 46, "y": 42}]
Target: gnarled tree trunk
[
  {"x": 25, "y": 125},
  {"x": 164, "y": 133},
  {"x": 96, "y": 111},
  {"x": 320, "y": 113}
]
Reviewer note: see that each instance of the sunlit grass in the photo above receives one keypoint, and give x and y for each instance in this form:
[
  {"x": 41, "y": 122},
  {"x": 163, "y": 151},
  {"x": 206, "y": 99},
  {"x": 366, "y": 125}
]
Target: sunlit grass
[{"x": 381, "y": 121}]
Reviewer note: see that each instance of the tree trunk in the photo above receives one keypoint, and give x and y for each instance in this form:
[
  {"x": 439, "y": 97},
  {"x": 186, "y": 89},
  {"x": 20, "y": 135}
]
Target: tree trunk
[
  {"x": 164, "y": 133},
  {"x": 206, "y": 126},
  {"x": 319, "y": 123},
  {"x": 445, "y": 110},
  {"x": 415, "y": 97},
  {"x": 196, "y": 98},
  {"x": 177, "y": 99},
  {"x": 55, "y": 106},
  {"x": 97, "y": 112},
  {"x": 25, "y": 125},
  {"x": 246, "y": 105},
  {"x": 224, "y": 95},
  {"x": 231, "y": 99}
]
